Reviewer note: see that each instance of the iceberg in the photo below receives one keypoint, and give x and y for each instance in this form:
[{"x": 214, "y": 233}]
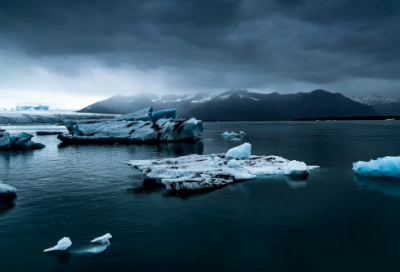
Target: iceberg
[
  {"x": 242, "y": 133},
  {"x": 387, "y": 166},
  {"x": 296, "y": 168},
  {"x": 22, "y": 140},
  {"x": 240, "y": 152},
  {"x": 195, "y": 172},
  {"x": 130, "y": 129},
  {"x": 164, "y": 114},
  {"x": 6, "y": 189},
  {"x": 63, "y": 244},
  {"x": 227, "y": 134}
]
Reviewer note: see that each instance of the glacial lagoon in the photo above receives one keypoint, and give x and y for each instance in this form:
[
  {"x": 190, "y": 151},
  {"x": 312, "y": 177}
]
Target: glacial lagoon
[{"x": 332, "y": 221}]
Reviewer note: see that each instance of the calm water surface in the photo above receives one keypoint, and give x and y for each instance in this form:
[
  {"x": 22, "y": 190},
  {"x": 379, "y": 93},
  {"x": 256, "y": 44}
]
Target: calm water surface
[{"x": 334, "y": 221}]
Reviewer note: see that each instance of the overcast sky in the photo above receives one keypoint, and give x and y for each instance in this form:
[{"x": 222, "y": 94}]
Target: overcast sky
[{"x": 72, "y": 53}]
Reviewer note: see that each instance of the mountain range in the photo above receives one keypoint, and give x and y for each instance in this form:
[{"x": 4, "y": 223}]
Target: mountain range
[
  {"x": 240, "y": 105},
  {"x": 385, "y": 106}
]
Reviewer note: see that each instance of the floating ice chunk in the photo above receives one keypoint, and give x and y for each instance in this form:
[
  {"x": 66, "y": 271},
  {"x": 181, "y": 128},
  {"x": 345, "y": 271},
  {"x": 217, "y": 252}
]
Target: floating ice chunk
[
  {"x": 295, "y": 168},
  {"x": 226, "y": 133},
  {"x": 5, "y": 140},
  {"x": 6, "y": 189},
  {"x": 391, "y": 119},
  {"x": 242, "y": 133},
  {"x": 240, "y": 152},
  {"x": 105, "y": 239},
  {"x": 164, "y": 114},
  {"x": 236, "y": 139},
  {"x": 233, "y": 164},
  {"x": 63, "y": 244},
  {"x": 387, "y": 166},
  {"x": 195, "y": 172}
]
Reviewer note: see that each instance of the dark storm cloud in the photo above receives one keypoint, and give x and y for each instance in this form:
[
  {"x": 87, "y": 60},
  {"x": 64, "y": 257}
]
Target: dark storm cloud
[{"x": 247, "y": 43}]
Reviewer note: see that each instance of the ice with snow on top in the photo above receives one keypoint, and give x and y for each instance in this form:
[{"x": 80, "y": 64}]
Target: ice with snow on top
[
  {"x": 232, "y": 133},
  {"x": 296, "y": 168},
  {"x": 6, "y": 189},
  {"x": 387, "y": 166},
  {"x": 63, "y": 244},
  {"x": 240, "y": 152},
  {"x": 194, "y": 172}
]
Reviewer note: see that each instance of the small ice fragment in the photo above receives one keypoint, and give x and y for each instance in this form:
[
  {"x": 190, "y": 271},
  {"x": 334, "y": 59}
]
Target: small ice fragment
[
  {"x": 233, "y": 163},
  {"x": 226, "y": 133},
  {"x": 296, "y": 168},
  {"x": 242, "y": 133},
  {"x": 236, "y": 139},
  {"x": 63, "y": 244},
  {"x": 240, "y": 152},
  {"x": 105, "y": 239}
]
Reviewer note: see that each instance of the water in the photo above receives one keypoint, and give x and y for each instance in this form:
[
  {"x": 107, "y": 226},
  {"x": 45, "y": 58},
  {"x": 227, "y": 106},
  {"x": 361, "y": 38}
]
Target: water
[{"x": 334, "y": 221}]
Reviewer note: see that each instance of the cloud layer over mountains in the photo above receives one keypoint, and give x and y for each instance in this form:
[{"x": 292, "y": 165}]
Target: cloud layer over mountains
[{"x": 89, "y": 50}]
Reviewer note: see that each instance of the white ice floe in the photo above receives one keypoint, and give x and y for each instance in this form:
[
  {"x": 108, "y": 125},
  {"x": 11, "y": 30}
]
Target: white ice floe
[
  {"x": 296, "y": 168},
  {"x": 236, "y": 139},
  {"x": 240, "y": 152},
  {"x": 6, "y": 189},
  {"x": 105, "y": 239},
  {"x": 195, "y": 172},
  {"x": 387, "y": 166},
  {"x": 227, "y": 134},
  {"x": 63, "y": 244},
  {"x": 242, "y": 133}
]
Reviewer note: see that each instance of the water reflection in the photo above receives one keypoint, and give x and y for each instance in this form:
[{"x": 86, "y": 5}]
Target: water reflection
[
  {"x": 7, "y": 202},
  {"x": 63, "y": 257},
  {"x": 297, "y": 181},
  {"x": 387, "y": 185},
  {"x": 152, "y": 186}
]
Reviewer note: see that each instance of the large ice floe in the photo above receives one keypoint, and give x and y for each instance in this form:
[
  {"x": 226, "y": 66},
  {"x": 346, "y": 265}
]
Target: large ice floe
[
  {"x": 194, "y": 172},
  {"x": 22, "y": 140},
  {"x": 140, "y": 126},
  {"x": 387, "y": 166}
]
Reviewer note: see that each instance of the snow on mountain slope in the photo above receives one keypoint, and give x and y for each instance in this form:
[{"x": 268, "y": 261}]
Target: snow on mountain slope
[{"x": 376, "y": 99}]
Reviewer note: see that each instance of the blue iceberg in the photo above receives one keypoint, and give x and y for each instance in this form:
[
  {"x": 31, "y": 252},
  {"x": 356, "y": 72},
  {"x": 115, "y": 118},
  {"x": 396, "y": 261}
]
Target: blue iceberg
[
  {"x": 387, "y": 166},
  {"x": 164, "y": 114}
]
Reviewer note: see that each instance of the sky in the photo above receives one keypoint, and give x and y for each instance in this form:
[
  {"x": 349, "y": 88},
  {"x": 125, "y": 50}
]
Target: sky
[{"x": 71, "y": 53}]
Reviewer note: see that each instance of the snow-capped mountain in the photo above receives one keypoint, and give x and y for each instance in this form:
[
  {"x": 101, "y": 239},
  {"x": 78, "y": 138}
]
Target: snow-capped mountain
[
  {"x": 124, "y": 104},
  {"x": 239, "y": 105},
  {"x": 385, "y": 106},
  {"x": 242, "y": 105}
]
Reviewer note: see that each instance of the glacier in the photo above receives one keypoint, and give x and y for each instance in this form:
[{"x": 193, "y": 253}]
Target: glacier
[
  {"x": 63, "y": 244},
  {"x": 387, "y": 166},
  {"x": 195, "y": 172},
  {"x": 133, "y": 127}
]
